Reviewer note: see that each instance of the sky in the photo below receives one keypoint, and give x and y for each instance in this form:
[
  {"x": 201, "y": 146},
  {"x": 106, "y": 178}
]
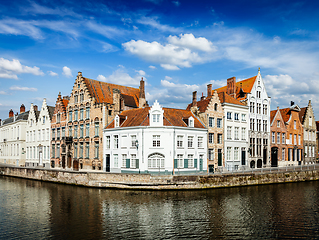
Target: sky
[{"x": 177, "y": 47}]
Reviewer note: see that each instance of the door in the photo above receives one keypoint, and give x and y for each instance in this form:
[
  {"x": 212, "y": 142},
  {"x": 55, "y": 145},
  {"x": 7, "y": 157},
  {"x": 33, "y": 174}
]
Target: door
[
  {"x": 274, "y": 157},
  {"x": 63, "y": 161},
  {"x": 243, "y": 157},
  {"x": 220, "y": 157},
  {"x": 76, "y": 165},
  {"x": 211, "y": 168},
  {"x": 69, "y": 161},
  {"x": 107, "y": 163}
]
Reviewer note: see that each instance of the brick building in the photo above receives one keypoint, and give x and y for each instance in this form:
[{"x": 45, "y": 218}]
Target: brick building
[
  {"x": 92, "y": 106},
  {"x": 59, "y": 144}
]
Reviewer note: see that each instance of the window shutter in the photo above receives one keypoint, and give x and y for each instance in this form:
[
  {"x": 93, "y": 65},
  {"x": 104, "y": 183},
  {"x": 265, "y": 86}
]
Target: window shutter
[
  {"x": 127, "y": 163},
  {"x": 195, "y": 163},
  {"x": 137, "y": 163},
  {"x": 185, "y": 163},
  {"x": 175, "y": 163}
]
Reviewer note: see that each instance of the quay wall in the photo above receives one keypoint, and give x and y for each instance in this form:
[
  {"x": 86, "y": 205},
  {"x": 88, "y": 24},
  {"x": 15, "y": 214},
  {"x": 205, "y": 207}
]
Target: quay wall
[{"x": 155, "y": 182}]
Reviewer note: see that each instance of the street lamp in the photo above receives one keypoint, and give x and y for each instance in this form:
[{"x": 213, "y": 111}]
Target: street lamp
[{"x": 40, "y": 155}]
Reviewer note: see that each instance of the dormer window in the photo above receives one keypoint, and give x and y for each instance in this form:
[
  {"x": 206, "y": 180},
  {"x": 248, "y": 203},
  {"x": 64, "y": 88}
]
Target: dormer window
[
  {"x": 156, "y": 117},
  {"x": 191, "y": 122},
  {"x": 117, "y": 121}
]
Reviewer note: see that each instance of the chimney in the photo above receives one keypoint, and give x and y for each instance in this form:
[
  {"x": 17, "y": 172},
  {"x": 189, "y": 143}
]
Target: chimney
[
  {"x": 35, "y": 107},
  {"x": 142, "y": 100},
  {"x": 292, "y": 103},
  {"x": 194, "y": 102},
  {"x": 116, "y": 101},
  {"x": 209, "y": 90},
  {"x": 231, "y": 86},
  {"x": 203, "y": 97},
  {"x": 11, "y": 113},
  {"x": 22, "y": 108}
]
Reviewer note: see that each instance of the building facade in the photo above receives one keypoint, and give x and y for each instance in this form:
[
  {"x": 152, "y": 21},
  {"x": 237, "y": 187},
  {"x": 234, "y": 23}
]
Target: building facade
[
  {"x": 155, "y": 140},
  {"x": 38, "y": 136},
  {"x": 60, "y": 143},
  {"x": 252, "y": 92},
  {"x": 210, "y": 112},
  {"x": 92, "y": 106},
  {"x": 307, "y": 119},
  {"x": 12, "y": 138}
]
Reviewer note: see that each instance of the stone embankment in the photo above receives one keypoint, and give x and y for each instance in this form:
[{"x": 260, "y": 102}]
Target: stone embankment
[{"x": 155, "y": 182}]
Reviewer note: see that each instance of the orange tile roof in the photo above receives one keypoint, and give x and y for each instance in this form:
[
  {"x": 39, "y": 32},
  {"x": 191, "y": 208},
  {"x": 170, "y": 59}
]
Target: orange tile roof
[
  {"x": 103, "y": 92},
  {"x": 172, "y": 117},
  {"x": 65, "y": 102},
  {"x": 285, "y": 113},
  {"x": 226, "y": 98},
  {"x": 272, "y": 115},
  {"x": 246, "y": 85},
  {"x": 302, "y": 114}
]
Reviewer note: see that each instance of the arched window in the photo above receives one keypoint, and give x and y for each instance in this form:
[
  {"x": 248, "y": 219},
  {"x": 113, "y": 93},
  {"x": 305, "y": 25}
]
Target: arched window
[
  {"x": 156, "y": 160},
  {"x": 96, "y": 127},
  {"x": 215, "y": 107}
]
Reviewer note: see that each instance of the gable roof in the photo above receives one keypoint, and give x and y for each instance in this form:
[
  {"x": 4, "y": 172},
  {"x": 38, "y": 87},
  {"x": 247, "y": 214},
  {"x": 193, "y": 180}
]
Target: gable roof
[
  {"x": 226, "y": 98},
  {"x": 246, "y": 85},
  {"x": 51, "y": 111},
  {"x": 302, "y": 114},
  {"x": 103, "y": 92},
  {"x": 285, "y": 113},
  {"x": 140, "y": 117},
  {"x": 272, "y": 115}
]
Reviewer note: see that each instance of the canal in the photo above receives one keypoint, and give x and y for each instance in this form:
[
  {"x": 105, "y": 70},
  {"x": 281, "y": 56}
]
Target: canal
[{"x": 41, "y": 210}]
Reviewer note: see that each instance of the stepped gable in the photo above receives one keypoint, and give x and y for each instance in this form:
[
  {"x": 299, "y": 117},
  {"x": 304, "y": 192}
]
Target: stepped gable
[
  {"x": 302, "y": 114},
  {"x": 103, "y": 92},
  {"x": 225, "y": 98},
  {"x": 140, "y": 117},
  {"x": 246, "y": 85}
]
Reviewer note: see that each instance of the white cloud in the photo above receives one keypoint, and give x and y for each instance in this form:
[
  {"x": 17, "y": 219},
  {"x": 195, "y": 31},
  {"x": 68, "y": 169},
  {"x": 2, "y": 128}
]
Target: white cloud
[
  {"x": 3, "y": 93},
  {"x": 43, "y": 10},
  {"x": 189, "y": 41},
  {"x": 174, "y": 56},
  {"x": 155, "y": 24},
  {"x": 141, "y": 72},
  {"x": 10, "y": 69},
  {"x": 66, "y": 71},
  {"x": 18, "y": 88},
  {"x": 152, "y": 67},
  {"x": 106, "y": 31},
  {"x": 123, "y": 78},
  {"x": 53, "y": 74}
]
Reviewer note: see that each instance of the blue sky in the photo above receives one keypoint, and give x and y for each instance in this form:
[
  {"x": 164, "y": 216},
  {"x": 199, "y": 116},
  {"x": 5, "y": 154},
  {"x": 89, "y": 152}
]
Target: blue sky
[{"x": 177, "y": 46}]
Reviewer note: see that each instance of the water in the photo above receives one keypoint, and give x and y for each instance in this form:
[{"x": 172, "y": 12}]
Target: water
[{"x": 38, "y": 210}]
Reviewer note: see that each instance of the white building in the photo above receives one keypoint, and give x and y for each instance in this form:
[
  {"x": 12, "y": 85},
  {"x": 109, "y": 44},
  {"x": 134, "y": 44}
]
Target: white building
[
  {"x": 38, "y": 136},
  {"x": 12, "y": 138},
  {"x": 235, "y": 132},
  {"x": 155, "y": 140}
]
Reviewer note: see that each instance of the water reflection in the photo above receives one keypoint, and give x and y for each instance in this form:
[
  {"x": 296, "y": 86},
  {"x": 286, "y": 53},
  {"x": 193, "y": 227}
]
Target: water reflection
[{"x": 45, "y": 210}]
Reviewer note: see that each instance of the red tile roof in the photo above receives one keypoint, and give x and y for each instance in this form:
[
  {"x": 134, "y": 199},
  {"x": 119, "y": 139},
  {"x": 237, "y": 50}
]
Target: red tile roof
[
  {"x": 272, "y": 115},
  {"x": 226, "y": 98},
  {"x": 103, "y": 92},
  {"x": 246, "y": 85},
  {"x": 140, "y": 117},
  {"x": 302, "y": 114},
  {"x": 285, "y": 113}
]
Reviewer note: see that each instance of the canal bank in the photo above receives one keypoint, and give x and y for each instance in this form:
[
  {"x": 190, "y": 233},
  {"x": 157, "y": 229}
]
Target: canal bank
[{"x": 155, "y": 182}]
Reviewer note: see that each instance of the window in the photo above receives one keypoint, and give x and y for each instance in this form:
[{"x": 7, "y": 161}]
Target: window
[
  {"x": 190, "y": 160},
  {"x": 278, "y": 123},
  {"x": 278, "y": 138},
  {"x": 243, "y": 117},
  {"x": 53, "y": 151},
  {"x": 133, "y": 161},
  {"x": 96, "y": 128},
  {"x": 124, "y": 157},
  {"x": 211, "y": 122},
  {"x": 75, "y": 131},
  {"x": 116, "y": 160},
  {"x": 63, "y": 132},
  {"x": 243, "y": 133},
  {"x": 228, "y": 132},
  {"x": 283, "y": 154},
  {"x": 215, "y": 107},
  {"x": 295, "y": 124},
  {"x": 290, "y": 139},
  {"x": 87, "y": 113},
  {"x": 258, "y": 108},
  {"x": 81, "y": 113},
  {"x": 156, "y": 141},
  {"x": 265, "y": 125},
  {"x": 70, "y": 116},
  {"x": 70, "y": 131},
  {"x": 190, "y": 141},
  {"x": 258, "y": 124},
  {"x": 133, "y": 140},
  {"x": 228, "y": 153},
  {"x": 87, "y": 150},
  {"x": 283, "y": 136},
  {"x": 258, "y": 94},
  {"x": 43, "y": 121},
  {"x": 156, "y": 117},
  {"x": 299, "y": 139},
  {"x": 108, "y": 142},
  {"x": 87, "y": 130},
  {"x": 200, "y": 142},
  {"x": 81, "y": 131},
  {"x": 211, "y": 137},
  {"x": 180, "y": 141},
  {"x": 81, "y": 150},
  {"x": 96, "y": 150},
  {"x": 229, "y": 115},
  {"x": 76, "y": 98},
  {"x": 53, "y": 133},
  {"x": 219, "y": 138},
  {"x": 156, "y": 161},
  {"x": 58, "y": 133},
  {"x": 252, "y": 107},
  {"x": 180, "y": 161},
  {"x": 211, "y": 154},
  {"x": 236, "y": 153},
  {"x": 81, "y": 97},
  {"x": 75, "y": 150},
  {"x": 236, "y": 133},
  {"x": 58, "y": 150},
  {"x": 75, "y": 115},
  {"x": 219, "y": 122},
  {"x": 58, "y": 118},
  {"x": 295, "y": 139},
  {"x": 273, "y": 137},
  {"x": 236, "y": 116},
  {"x": 116, "y": 141},
  {"x": 265, "y": 109},
  {"x": 191, "y": 122}
]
